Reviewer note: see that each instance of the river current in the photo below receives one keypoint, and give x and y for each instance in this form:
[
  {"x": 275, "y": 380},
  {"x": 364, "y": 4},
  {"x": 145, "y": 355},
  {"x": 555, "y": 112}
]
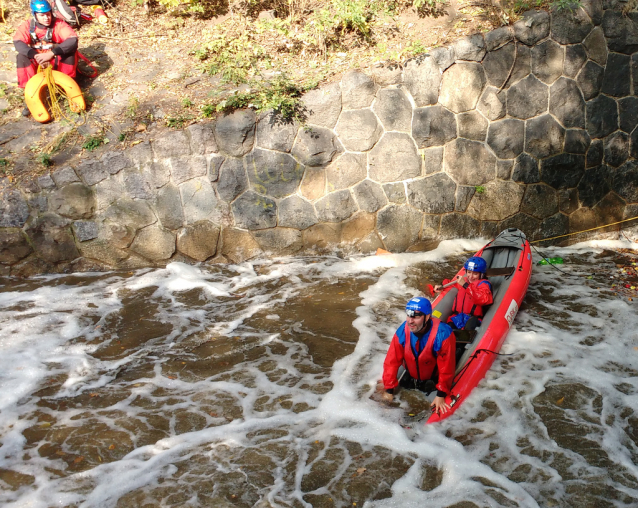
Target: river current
[{"x": 254, "y": 385}]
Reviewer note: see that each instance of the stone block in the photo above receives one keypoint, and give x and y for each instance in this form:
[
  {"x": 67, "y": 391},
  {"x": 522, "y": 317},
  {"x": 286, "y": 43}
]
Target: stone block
[
  {"x": 544, "y": 137},
  {"x": 370, "y": 196},
  {"x": 51, "y": 238},
  {"x": 252, "y": 211},
  {"x": 296, "y": 212},
  {"x": 472, "y": 125},
  {"x": 522, "y": 65},
  {"x": 634, "y": 71},
  {"x": 85, "y": 230},
  {"x": 140, "y": 154},
  {"x": 498, "y": 201},
  {"x": 358, "y": 130},
  {"x": 469, "y": 162},
  {"x": 563, "y": 171},
  {"x": 633, "y": 144},
  {"x": 114, "y": 162},
  {"x": 594, "y": 9},
  {"x": 14, "y": 210},
  {"x": 394, "y": 158},
  {"x": 492, "y": 103},
  {"x": 498, "y": 64},
  {"x": 548, "y": 61},
  {"x": 462, "y": 86},
  {"x": 399, "y": 227},
  {"x": 239, "y": 246},
  {"x": 594, "y": 185},
  {"x": 199, "y": 240},
  {"x": 617, "y": 76},
  {"x": 471, "y": 48},
  {"x": 127, "y": 212},
  {"x": 575, "y": 58},
  {"x": 526, "y": 169},
  {"x": 13, "y": 246},
  {"x": 464, "y": 194},
  {"x": 275, "y": 133},
  {"x": 137, "y": 185},
  {"x": 104, "y": 252},
  {"x": 74, "y": 201},
  {"x": 577, "y": 141},
  {"x": 202, "y": 138},
  {"x": 232, "y": 179},
  {"x": 200, "y": 202},
  {"x": 336, "y": 206},
  {"x": 92, "y": 172},
  {"x": 38, "y": 203},
  {"x": 274, "y": 174},
  {"x": 621, "y": 31},
  {"x": 313, "y": 185},
  {"x": 595, "y": 153},
  {"x": 322, "y": 236},
  {"x": 214, "y": 162},
  {"x": 624, "y": 181},
  {"x": 157, "y": 173},
  {"x": 557, "y": 224},
  {"x": 187, "y": 168},
  {"x": 357, "y": 90},
  {"x": 609, "y": 210},
  {"x": 64, "y": 176},
  {"x": 602, "y": 116},
  {"x": 504, "y": 169},
  {"x": 506, "y": 137},
  {"x": 570, "y": 26},
  {"x": 590, "y": 80},
  {"x": 316, "y": 146},
  {"x": 459, "y": 225},
  {"x": 323, "y": 106},
  {"x": 393, "y": 108},
  {"x": 235, "y": 132},
  {"x": 346, "y": 171},
  {"x": 581, "y": 219},
  {"x": 433, "y": 160},
  {"x": 172, "y": 144},
  {"x": 568, "y": 200},
  {"x": 628, "y": 113},
  {"x": 616, "y": 149},
  {"x": 117, "y": 235},
  {"x": 498, "y": 38},
  {"x": 540, "y": 201},
  {"x": 46, "y": 182},
  {"x": 154, "y": 243},
  {"x": 168, "y": 206},
  {"x": 433, "y": 126},
  {"x": 527, "y": 98},
  {"x": 490, "y": 229},
  {"x": 532, "y": 27},
  {"x": 443, "y": 56},
  {"x": 279, "y": 241},
  {"x": 596, "y": 46},
  {"x": 395, "y": 192},
  {"x": 422, "y": 78},
  {"x": 432, "y": 194},
  {"x": 370, "y": 244},
  {"x": 387, "y": 73},
  {"x": 566, "y": 103}
]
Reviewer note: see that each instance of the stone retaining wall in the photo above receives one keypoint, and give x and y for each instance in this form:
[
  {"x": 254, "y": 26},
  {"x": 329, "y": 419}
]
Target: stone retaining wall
[{"x": 532, "y": 126}]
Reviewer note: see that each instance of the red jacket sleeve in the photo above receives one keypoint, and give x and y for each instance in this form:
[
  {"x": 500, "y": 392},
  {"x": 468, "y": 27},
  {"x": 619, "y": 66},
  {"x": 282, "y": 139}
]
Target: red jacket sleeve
[
  {"x": 480, "y": 294},
  {"x": 446, "y": 362},
  {"x": 393, "y": 360}
]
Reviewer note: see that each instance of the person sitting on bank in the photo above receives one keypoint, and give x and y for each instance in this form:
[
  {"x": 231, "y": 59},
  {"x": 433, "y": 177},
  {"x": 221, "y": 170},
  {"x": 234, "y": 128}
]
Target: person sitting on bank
[
  {"x": 426, "y": 348},
  {"x": 474, "y": 293},
  {"x": 42, "y": 41}
]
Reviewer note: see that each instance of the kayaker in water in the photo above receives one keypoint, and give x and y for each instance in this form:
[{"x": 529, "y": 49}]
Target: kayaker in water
[
  {"x": 426, "y": 348},
  {"x": 474, "y": 292}
]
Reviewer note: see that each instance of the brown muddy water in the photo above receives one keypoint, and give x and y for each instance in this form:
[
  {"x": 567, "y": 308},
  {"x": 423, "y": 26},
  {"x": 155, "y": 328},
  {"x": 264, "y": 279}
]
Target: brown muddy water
[{"x": 251, "y": 385}]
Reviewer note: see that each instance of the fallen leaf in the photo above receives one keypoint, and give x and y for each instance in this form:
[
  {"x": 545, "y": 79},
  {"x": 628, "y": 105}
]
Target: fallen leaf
[
  {"x": 45, "y": 424},
  {"x": 361, "y": 470},
  {"x": 60, "y": 453},
  {"x": 171, "y": 377},
  {"x": 94, "y": 394},
  {"x": 78, "y": 459},
  {"x": 112, "y": 447},
  {"x": 560, "y": 401}
]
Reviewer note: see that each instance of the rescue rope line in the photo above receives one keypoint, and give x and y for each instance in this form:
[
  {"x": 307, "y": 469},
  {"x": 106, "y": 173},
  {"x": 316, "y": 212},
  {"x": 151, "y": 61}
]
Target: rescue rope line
[
  {"x": 584, "y": 230},
  {"x": 548, "y": 261}
]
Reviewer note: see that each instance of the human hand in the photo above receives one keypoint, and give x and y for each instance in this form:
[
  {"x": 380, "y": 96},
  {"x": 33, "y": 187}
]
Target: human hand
[
  {"x": 44, "y": 59},
  {"x": 437, "y": 288},
  {"x": 461, "y": 279},
  {"x": 439, "y": 406}
]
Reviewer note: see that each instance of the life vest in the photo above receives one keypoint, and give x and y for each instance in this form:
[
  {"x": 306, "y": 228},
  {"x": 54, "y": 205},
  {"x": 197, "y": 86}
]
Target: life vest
[
  {"x": 463, "y": 303},
  {"x": 43, "y": 44},
  {"x": 421, "y": 364}
]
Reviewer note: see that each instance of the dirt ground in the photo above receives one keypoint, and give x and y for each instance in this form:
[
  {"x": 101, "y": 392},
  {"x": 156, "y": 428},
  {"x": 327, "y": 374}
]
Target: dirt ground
[{"x": 151, "y": 79}]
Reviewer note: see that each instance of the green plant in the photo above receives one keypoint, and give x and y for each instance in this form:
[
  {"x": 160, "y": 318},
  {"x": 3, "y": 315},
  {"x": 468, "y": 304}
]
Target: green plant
[
  {"x": 45, "y": 159},
  {"x": 133, "y": 106},
  {"x": 232, "y": 57},
  {"x": 4, "y": 163},
  {"x": 178, "y": 122},
  {"x": 479, "y": 189},
  {"x": 93, "y": 142},
  {"x": 186, "y": 102}
]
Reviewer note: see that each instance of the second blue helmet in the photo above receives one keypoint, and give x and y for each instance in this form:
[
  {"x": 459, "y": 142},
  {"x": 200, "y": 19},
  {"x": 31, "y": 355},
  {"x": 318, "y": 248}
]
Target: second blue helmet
[
  {"x": 418, "y": 304},
  {"x": 475, "y": 264}
]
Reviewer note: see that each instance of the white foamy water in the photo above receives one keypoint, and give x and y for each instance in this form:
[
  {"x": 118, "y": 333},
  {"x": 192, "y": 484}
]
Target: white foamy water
[{"x": 251, "y": 385}]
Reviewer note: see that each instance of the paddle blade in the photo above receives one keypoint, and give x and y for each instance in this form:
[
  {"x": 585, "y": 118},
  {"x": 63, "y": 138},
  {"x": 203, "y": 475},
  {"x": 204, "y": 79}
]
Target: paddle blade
[{"x": 382, "y": 252}]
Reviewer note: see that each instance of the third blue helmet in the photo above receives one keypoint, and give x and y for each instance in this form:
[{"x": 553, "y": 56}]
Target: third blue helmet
[
  {"x": 40, "y": 6},
  {"x": 475, "y": 264},
  {"x": 418, "y": 304}
]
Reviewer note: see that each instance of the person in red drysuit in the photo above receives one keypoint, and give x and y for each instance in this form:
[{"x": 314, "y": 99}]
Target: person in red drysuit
[
  {"x": 44, "y": 40},
  {"x": 423, "y": 345},
  {"x": 474, "y": 293}
]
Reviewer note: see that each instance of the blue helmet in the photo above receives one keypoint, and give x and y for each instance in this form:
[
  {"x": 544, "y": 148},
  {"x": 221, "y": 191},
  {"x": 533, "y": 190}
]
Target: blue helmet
[
  {"x": 475, "y": 264},
  {"x": 40, "y": 6},
  {"x": 418, "y": 304}
]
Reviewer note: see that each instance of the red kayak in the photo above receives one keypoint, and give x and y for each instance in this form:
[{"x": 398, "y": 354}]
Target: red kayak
[{"x": 509, "y": 269}]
